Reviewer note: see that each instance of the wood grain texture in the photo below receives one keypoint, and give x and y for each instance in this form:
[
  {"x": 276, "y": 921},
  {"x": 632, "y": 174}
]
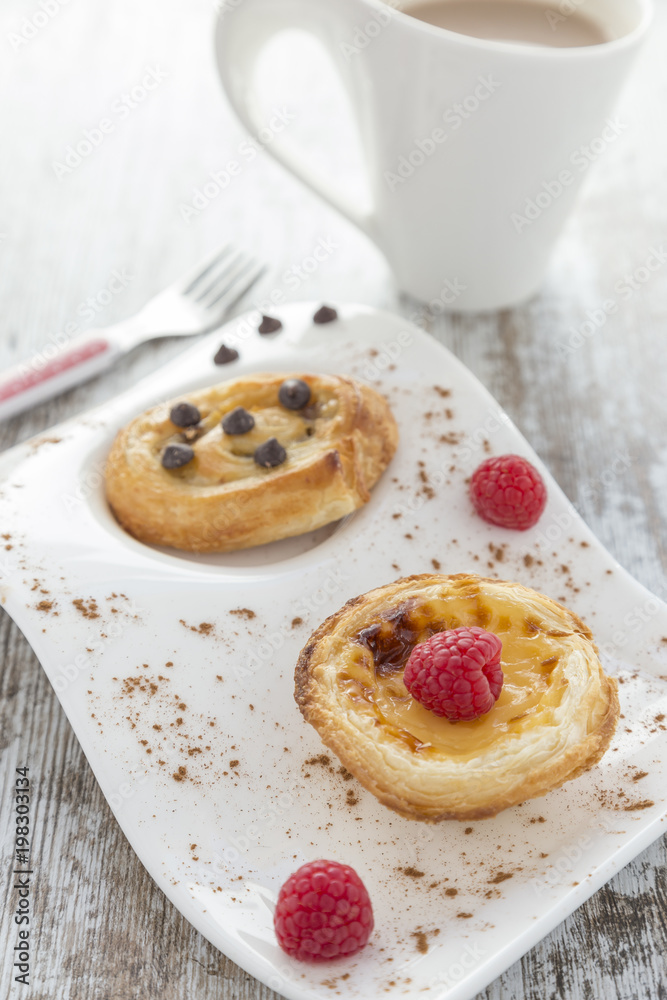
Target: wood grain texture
[{"x": 597, "y": 414}]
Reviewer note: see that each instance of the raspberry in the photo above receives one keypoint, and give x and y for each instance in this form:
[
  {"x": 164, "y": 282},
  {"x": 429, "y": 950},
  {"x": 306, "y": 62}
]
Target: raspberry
[
  {"x": 508, "y": 491},
  {"x": 323, "y": 912},
  {"x": 456, "y": 674}
]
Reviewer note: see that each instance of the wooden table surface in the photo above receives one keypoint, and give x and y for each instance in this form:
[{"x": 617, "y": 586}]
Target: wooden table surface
[{"x": 591, "y": 401}]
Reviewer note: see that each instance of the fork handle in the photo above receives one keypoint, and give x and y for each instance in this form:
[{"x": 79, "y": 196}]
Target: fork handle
[{"x": 56, "y": 369}]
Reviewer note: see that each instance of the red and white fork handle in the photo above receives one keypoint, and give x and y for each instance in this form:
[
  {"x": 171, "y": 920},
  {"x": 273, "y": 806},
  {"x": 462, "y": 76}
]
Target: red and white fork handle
[{"x": 54, "y": 371}]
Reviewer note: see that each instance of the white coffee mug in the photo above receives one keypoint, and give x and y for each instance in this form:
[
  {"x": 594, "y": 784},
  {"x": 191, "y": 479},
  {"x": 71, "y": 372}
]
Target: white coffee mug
[{"x": 475, "y": 149}]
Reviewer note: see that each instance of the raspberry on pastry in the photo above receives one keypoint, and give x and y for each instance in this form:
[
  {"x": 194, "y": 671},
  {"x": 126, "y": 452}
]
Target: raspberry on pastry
[{"x": 456, "y": 674}]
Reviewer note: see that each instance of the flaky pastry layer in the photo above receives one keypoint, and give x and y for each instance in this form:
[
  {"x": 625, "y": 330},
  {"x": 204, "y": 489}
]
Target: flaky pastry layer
[
  {"x": 554, "y": 719},
  {"x": 337, "y": 448}
]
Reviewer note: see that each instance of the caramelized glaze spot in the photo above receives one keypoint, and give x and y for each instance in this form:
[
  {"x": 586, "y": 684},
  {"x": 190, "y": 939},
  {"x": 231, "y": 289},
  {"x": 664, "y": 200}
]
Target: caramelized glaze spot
[{"x": 392, "y": 639}]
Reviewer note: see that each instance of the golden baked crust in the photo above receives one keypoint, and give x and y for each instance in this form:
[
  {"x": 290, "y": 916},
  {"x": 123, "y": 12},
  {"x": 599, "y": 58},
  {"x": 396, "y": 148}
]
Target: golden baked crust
[
  {"x": 554, "y": 719},
  {"x": 337, "y": 448}
]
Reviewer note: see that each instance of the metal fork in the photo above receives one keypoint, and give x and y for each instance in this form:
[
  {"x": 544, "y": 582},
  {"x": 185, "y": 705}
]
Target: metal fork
[{"x": 196, "y": 303}]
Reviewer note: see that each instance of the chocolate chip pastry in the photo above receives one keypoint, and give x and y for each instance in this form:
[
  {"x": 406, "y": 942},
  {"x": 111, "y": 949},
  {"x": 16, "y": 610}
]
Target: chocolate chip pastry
[{"x": 250, "y": 461}]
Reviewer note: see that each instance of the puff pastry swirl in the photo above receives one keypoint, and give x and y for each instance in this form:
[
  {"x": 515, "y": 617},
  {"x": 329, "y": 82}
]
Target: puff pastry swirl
[
  {"x": 554, "y": 719},
  {"x": 337, "y": 447}
]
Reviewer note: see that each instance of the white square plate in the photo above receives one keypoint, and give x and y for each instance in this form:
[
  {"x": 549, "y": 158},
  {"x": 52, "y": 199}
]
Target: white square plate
[{"x": 165, "y": 661}]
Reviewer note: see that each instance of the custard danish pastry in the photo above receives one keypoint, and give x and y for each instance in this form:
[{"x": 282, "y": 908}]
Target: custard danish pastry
[
  {"x": 553, "y": 720},
  {"x": 250, "y": 461}
]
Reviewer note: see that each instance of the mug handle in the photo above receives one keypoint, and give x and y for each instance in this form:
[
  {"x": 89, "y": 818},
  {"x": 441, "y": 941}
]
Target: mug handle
[{"x": 243, "y": 30}]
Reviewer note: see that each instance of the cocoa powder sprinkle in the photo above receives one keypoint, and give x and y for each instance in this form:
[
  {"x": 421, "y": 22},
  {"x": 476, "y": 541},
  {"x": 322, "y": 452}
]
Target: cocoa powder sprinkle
[
  {"x": 88, "y": 610},
  {"x": 411, "y": 872},
  {"x": 500, "y": 877},
  {"x": 422, "y": 943}
]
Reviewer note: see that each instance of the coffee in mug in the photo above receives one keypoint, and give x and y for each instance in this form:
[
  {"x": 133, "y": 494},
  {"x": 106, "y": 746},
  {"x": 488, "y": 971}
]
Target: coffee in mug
[{"x": 528, "y": 21}]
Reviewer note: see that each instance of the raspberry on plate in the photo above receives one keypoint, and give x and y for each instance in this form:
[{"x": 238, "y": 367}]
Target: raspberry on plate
[
  {"x": 508, "y": 491},
  {"x": 456, "y": 674},
  {"x": 323, "y": 912}
]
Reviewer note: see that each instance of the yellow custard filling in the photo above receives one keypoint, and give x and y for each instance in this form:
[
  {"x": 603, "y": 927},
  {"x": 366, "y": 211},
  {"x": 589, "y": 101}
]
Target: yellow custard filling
[
  {"x": 532, "y": 660},
  {"x": 221, "y": 458}
]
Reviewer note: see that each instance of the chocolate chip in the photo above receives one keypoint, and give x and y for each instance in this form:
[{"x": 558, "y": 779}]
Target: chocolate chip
[
  {"x": 325, "y": 315},
  {"x": 294, "y": 394},
  {"x": 225, "y": 355},
  {"x": 270, "y": 454},
  {"x": 238, "y": 421},
  {"x": 184, "y": 415},
  {"x": 269, "y": 325},
  {"x": 176, "y": 455}
]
